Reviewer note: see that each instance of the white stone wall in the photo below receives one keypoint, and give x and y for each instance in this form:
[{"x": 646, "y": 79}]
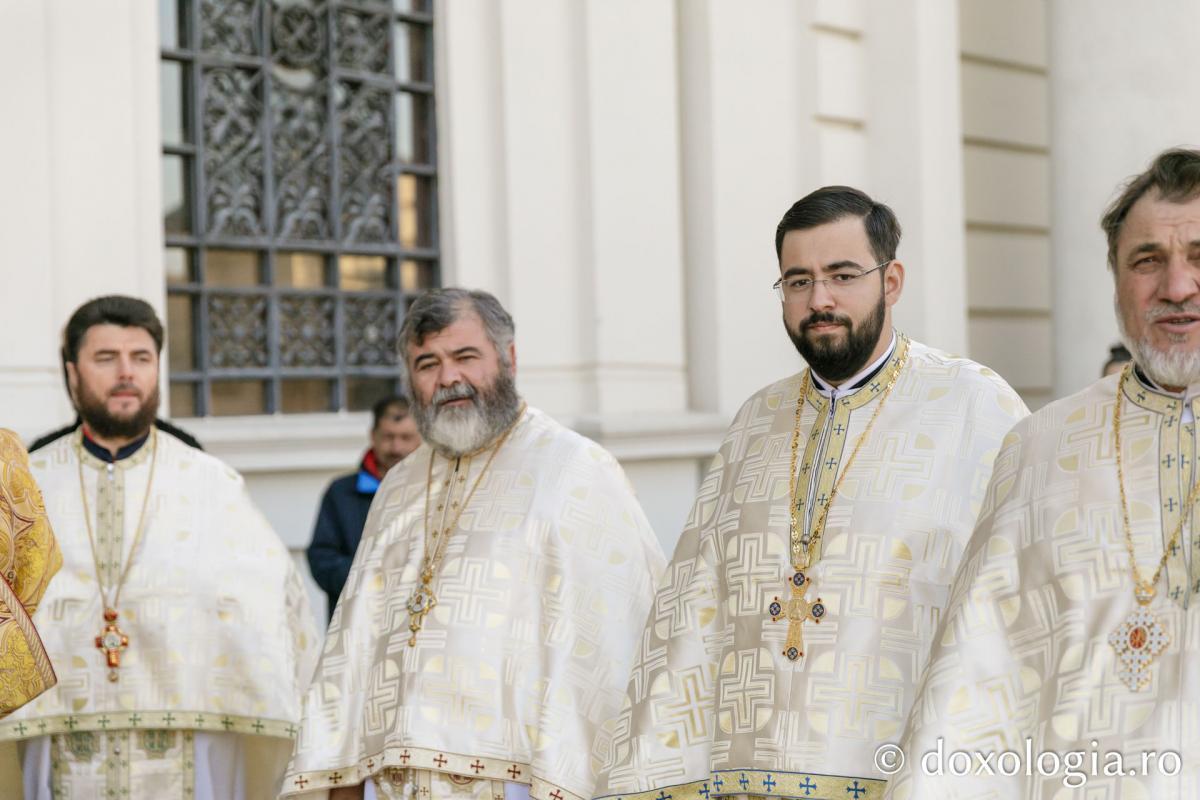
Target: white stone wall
[
  {"x": 1006, "y": 159},
  {"x": 79, "y": 182},
  {"x": 614, "y": 172}
]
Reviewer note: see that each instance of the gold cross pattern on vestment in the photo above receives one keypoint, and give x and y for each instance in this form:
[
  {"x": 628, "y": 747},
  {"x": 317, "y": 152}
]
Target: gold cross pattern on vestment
[{"x": 797, "y": 611}]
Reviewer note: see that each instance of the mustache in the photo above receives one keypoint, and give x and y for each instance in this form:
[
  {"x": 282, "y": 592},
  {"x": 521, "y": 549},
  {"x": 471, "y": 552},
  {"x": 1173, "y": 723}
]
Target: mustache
[
  {"x": 126, "y": 387},
  {"x": 455, "y": 391},
  {"x": 1170, "y": 310},
  {"x": 824, "y": 318}
]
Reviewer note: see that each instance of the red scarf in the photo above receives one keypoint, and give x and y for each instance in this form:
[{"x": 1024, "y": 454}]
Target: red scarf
[{"x": 371, "y": 465}]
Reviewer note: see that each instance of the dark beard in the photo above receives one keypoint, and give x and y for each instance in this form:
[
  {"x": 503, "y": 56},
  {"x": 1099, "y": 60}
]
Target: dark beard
[
  {"x": 496, "y": 408},
  {"x": 105, "y": 425},
  {"x": 833, "y": 360}
]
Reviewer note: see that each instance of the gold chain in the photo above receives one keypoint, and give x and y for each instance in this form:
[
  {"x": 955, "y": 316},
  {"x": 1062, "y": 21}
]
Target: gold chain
[
  {"x": 799, "y": 550},
  {"x": 141, "y": 526},
  {"x": 1145, "y": 588},
  {"x": 436, "y": 550}
]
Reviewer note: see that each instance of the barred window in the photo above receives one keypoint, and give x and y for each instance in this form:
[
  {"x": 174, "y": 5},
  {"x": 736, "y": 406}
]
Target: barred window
[{"x": 299, "y": 198}]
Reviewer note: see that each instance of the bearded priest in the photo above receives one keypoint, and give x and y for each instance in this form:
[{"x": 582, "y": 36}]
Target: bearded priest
[
  {"x": 178, "y": 625},
  {"x": 1068, "y": 659},
  {"x": 496, "y": 600},
  {"x": 786, "y": 640}
]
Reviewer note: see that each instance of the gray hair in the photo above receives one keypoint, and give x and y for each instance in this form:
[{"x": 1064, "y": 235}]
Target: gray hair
[
  {"x": 1175, "y": 173},
  {"x": 437, "y": 309}
]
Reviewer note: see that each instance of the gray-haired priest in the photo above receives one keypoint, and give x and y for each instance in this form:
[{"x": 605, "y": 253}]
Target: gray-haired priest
[
  {"x": 178, "y": 625},
  {"x": 496, "y": 601},
  {"x": 786, "y": 641},
  {"x": 1070, "y": 663}
]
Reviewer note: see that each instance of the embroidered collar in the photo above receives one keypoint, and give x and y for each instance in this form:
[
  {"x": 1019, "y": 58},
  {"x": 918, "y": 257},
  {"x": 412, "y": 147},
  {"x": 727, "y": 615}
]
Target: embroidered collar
[
  {"x": 103, "y": 455},
  {"x": 872, "y": 379}
]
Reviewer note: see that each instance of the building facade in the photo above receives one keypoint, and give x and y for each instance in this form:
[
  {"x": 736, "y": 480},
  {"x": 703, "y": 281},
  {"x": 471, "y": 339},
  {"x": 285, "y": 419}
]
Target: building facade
[{"x": 613, "y": 171}]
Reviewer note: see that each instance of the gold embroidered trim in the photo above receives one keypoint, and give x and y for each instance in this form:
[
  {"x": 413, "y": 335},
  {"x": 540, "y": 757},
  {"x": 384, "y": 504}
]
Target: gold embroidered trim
[
  {"x": 765, "y": 783},
  {"x": 37, "y": 651},
  {"x": 434, "y": 760},
  {"x": 1175, "y": 479},
  {"x": 177, "y": 720}
]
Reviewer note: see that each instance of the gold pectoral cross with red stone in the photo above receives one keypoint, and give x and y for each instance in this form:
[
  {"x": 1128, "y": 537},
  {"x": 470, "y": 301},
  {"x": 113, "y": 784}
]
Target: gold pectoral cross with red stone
[
  {"x": 796, "y": 610},
  {"x": 111, "y": 641}
]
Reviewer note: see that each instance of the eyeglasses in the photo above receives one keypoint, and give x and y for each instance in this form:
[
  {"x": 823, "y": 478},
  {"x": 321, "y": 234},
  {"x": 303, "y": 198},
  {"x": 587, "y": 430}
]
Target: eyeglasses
[{"x": 801, "y": 286}]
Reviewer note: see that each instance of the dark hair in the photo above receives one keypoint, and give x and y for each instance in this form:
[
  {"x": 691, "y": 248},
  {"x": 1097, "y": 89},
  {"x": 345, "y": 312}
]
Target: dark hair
[
  {"x": 1176, "y": 175},
  {"x": 438, "y": 309},
  {"x": 831, "y": 203},
  {"x": 384, "y": 408},
  {"x": 1117, "y": 354},
  {"x": 128, "y": 312}
]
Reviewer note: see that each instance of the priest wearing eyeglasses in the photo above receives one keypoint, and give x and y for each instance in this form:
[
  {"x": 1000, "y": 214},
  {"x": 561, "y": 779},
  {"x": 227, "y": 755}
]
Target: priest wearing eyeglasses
[{"x": 784, "y": 645}]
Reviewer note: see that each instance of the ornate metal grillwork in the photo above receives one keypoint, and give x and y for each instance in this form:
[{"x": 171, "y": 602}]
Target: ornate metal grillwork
[
  {"x": 363, "y": 41},
  {"x": 230, "y": 26},
  {"x": 233, "y": 152},
  {"x": 300, "y": 121},
  {"x": 370, "y": 331},
  {"x": 306, "y": 329},
  {"x": 237, "y": 331},
  {"x": 365, "y": 189}
]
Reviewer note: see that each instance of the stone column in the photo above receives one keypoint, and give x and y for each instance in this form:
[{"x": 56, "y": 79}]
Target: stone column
[
  {"x": 79, "y": 212},
  {"x": 915, "y": 153}
]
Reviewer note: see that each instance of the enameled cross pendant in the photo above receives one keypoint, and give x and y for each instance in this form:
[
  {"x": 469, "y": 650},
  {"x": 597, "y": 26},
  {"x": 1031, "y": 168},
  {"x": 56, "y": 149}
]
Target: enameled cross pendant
[
  {"x": 111, "y": 641},
  {"x": 1138, "y": 640},
  {"x": 797, "y": 611}
]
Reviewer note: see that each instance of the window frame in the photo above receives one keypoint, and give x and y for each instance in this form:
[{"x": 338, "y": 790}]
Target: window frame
[{"x": 198, "y": 243}]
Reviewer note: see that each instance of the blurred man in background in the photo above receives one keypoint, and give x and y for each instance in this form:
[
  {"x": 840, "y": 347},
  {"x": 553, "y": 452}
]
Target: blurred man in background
[{"x": 346, "y": 502}]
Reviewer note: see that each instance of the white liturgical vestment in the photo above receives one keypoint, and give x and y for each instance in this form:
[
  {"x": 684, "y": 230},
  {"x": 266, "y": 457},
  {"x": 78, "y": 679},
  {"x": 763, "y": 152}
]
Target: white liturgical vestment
[
  {"x": 715, "y": 706},
  {"x": 1027, "y": 695},
  {"x": 540, "y": 597},
  {"x": 220, "y": 639}
]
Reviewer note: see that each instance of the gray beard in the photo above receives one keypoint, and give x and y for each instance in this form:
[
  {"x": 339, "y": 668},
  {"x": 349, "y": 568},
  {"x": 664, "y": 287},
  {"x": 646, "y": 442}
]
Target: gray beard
[
  {"x": 455, "y": 431},
  {"x": 1171, "y": 368}
]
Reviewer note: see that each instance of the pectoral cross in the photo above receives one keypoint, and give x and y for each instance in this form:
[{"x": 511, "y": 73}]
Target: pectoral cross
[
  {"x": 420, "y": 603},
  {"x": 111, "y": 641},
  {"x": 797, "y": 611}
]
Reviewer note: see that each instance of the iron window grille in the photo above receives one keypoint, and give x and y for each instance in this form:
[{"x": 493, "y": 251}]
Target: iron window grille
[{"x": 299, "y": 198}]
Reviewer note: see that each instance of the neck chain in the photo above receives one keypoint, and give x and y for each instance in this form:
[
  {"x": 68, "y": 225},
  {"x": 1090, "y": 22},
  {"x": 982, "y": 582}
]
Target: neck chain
[
  {"x": 423, "y": 599},
  {"x": 112, "y": 640},
  {"x": 801, "y": 550},
  {"x": 1141, "y": 636},
  {"x": 797, "y": 610}
]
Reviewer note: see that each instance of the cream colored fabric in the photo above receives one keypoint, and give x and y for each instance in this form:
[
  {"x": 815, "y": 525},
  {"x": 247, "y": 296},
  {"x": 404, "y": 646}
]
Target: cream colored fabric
[
  {"x": 1024, "y": 663},
  {"x": 220, "y": 634},
  {"x": 541, "y": 596},
  {"x": 164, "y": 764},
  {"x": 713, "y": 707}
]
